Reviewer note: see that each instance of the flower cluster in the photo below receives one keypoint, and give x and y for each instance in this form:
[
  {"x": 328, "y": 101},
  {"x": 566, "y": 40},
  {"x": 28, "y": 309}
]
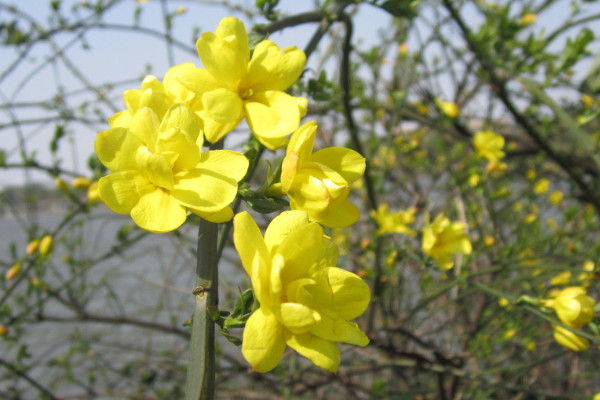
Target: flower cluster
[
  {"x": 158, "y": 173},
  {"x": 442, "y": 239},
  {"x": 306, "y": 302}
]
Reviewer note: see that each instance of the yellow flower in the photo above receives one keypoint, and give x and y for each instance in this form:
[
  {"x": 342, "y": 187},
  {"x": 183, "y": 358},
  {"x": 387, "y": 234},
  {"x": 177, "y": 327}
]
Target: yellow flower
[
  {"x": 528, "y": 18},
  {"x": 561, "y": 279},
  {"x": 541, "y": 186},
  {"x": 153, "y": 94},
  {"x": 232, "y": 86},
  {"x": 158, "y": 171},
  {"x": 441, "y": 239},
  {"x": 568, "y": 339},
  {"x": 448, "y": 108},
  {"x": 394, "y": 221},
  {"x": 306, "y": 302},
  {"x": 489, "y": 146},
  {"x": 319, "y": 182},
  {"x": 556, "y": 197},
  {"x": 573, "y": 306}
]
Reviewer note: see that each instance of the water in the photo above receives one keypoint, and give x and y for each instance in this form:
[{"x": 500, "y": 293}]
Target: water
[{"x": 147, "y": 282}]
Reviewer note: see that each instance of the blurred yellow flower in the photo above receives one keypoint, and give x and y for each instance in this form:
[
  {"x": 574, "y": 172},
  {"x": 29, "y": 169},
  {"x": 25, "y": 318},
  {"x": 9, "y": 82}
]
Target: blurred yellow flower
[
  {"x": 489, "y": 240},
  {"x": 158, "y": 171},
  {"x": 232, "y": 85},
  {"x": 568, "y": 339},
  {"x": 306, "y": 302},
  {"x": 489, "y": 145},
  {"x": 474, "y": 180},
  {"x": 448, "y": 108},
  {"x": 442, "y": 239},
  {"x": 541, "y": 186},
  {"x": 587, "y": 100},
  {"x": 319, "y": 182},
  {"x": 394, "y": 221},
  {"x": 561, "y": 279},
  {"x": 556, "y": 197},
  {"x": 81, "y": 183},
  {"x": 528, "y": 18}
]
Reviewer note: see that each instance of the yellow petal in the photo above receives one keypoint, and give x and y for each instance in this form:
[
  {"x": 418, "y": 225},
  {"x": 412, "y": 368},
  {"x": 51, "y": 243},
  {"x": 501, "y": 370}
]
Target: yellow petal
[
  {"x": 323, "y": 353},
  {"x": 225, "y": 54},
  {"x": 186, "y": 83},
  {"x": 204, "y": 190},
  {"x": 175, "y": 145},
  {"x": 222, "y": 105},
  {"x": 289, "y": 169},
  {"x": 120, "y": 191},
  {"x": 131, "y": 98},
  {"x": 348, "y": 163},
  {"x": 115, "y": 148},
  {"x": 215, "y": 131},
  {"x": 263, "y": 341},
  {"x": 351, "y": 294},
  {"x": 144, "y": 126},
  {"x": 183, "y": 118},
  {"x": 157, "y": 211},
  {"x": 303, "y": 141},
  {"x": 156, "y": 167},
  {"x": 251, "y": 247},
  {"x": 300, "y": 248},
  {"x": 296, "y": 317},
  {"x": 570, "y": 340},
  {"x": 120, "y": 119},
  {"x": 272, "y": 115},
  {"x": 340, "y": 215},
  {"x": 217, "y": 217},
  {"x": 273, "y": 69},
  {"x": 228, "y": 163},
  {"x": 340, "y": 330},
  {"x": 281, "y": 226}
]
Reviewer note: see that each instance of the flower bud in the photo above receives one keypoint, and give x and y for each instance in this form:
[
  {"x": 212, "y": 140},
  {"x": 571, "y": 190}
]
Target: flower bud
[
  {"x": 46, "y": 246},
  {"x": 3, "y": 330},
  {"x": 62, "y": 185},
  {"x": 13, "y": 271},
  {"x": 568, "y": 339},
  {"x": 81, "y": 183},
  {"x": 92, "y": 194},
  {"x": 33, "y": 246}
]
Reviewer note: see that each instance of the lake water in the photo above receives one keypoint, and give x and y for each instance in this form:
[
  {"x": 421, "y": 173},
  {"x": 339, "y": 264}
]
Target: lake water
[{"x": 150, "y": 281}]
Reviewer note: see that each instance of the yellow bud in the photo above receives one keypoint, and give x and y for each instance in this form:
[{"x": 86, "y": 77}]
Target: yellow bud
[
  {"x": 62, "y": 185},
  {"x": 587, "y": 100},
  {"x": 568, "y": 339},
  {"x": 3, "y": 330},
  {"x": 36, "y": 282},
  {"x": 530, "y": 174},
  {"x": 588, "y": 266},
  {"x": 503, "y": 302},
  {"x": 449, "y": 109},
  {"x": 181, "y": 10},
  {"x": 474, "y": 180},
  {"x": 13, "y": 271},
  {"x": 530, "y": 218},
  {"x": 81, "y": 183},
  {"x": 530, "y": 345},
  {"x": 33, "y": 246},
  {"x": 403, "y": 49},
  {"x": 489, "y": 240},
  {"x": 46, "y": 246},
  {"x": 422, "y": 109},
  {"x": 93, "y": 195},
  {"x": 529, "y": 18},
  {"x": 365, "y": 243},
  {"x": 510, "y": 333}
]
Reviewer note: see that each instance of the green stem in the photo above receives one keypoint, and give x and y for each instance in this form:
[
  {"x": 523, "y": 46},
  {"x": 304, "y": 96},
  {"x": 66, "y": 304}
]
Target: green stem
[{"x": 200, "y": 380}]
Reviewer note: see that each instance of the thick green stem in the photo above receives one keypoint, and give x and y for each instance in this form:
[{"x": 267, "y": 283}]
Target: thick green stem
[{"x": 200, "y": 380}]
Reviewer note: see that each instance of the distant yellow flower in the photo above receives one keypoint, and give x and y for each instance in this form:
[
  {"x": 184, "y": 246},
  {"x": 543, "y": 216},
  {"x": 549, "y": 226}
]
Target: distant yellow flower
[
  {"x": 394, "y": 221},
  {"x": 528, "y": 18},
  {"x": 541, "y": 186},
  {"x": 556, "y": 197},
  {"x": 489, "y": 240},
  {"x": 448, "y": 108},
  {"x": 442, "y": 239},
  {"x": 489, "y": 145},
  {"x": 474, "y": 180},
  {"x": 587, "y": 100},
  {"x": 158, "y": 171},
  {"x": 561, "y": 279},
  {"x": 306, "y": 302},
  {"x": 403, "y": 49},
  {"x": 573, "y": 306},
  {"x": 530, "y": 174},
  {"x": 568, "y": 339},
  {"x": 12, "y": 272},
  {"x": 319, "y": 182},
  {"x": 232, "y": 86}
]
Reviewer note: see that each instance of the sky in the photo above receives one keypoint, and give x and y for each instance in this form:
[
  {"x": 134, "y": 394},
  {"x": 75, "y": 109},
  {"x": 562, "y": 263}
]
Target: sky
[{"x": 122, "y": 56}]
